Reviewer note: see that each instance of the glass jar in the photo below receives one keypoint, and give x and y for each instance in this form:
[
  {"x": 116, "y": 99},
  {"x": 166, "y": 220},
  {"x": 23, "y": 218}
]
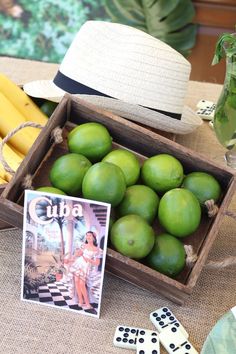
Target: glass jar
[{"x": 225, "y": 112}]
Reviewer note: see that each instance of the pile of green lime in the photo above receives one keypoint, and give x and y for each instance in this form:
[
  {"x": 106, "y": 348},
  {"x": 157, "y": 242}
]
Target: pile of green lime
[{"x": 142, "y": 195}]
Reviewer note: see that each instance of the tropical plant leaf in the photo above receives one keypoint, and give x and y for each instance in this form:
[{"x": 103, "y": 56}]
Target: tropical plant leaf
[
  {"x": 128, "y": 12},
  {"x": 169, "y": 21},
  {"x": 163, "y": 7},
  {"x": 183, "y": 40},
  {"x": 161, "y": 22}
]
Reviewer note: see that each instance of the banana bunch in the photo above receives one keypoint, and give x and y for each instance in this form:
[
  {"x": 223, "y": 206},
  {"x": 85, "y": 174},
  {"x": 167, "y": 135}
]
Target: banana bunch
[{"x": 16, "y": 108}]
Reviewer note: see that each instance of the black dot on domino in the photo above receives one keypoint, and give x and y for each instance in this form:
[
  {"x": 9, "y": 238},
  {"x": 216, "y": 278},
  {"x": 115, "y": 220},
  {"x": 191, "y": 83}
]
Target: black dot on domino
[
  {"x": 176, "y": 324},
  {"x": 126, "y": 334},
  {"x": 187, "y": 346},
  {"x": 154, "y": 334},
  {"x": 131, "y": 341},
  {"x": 154, "y": 352},
  {"x": 141, "y": 352},
  {"x": 173, "y": 329},
  {"x": 172, "y": 346},
  {"x": 125, "y": 340},
  {"x": 161, "y": 323},
  {"x": 154, "y": 314},
  {"x": 154, "y": 340},
  {"x": 168, "y": 314},
  {"x": 118, "y": 339},
  {"x": 126, "y": 329},
  {"x": 163, "y": 316},
  {"x": 121, "y": 329},
  {"x": 141, "y": 340},
  {"x": 172, "y": 318},
  {"x": 142, "y": 333},
  {"x": 165, "y": 309},
  {"x": 133, "y": 330},
  {"x": 158, "y": 319}
]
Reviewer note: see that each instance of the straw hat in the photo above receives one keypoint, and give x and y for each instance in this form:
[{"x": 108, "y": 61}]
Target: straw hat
[{"x": 126, "y": 71}]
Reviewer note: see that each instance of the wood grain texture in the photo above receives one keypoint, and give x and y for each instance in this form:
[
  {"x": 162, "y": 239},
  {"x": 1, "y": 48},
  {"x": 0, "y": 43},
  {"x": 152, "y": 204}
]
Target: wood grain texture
[
  {"x": 212, "y": 14},
  {"x": 213, "y": 18},
  {"x": 216, "y": 2},
  {"x": 4, "y": 225},
  {"x": 145, "y": 143}
]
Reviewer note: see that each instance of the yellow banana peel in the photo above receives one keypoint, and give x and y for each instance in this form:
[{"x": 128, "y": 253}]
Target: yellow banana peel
[
  {"x": 16, "y": 151},
  {"x": 2, "y": 181},
  {"x": 10, "y": 118},
  {"x": 22, "y": 102},
  {"x": 11, "y": 158},
  {"x": 6, "y": 176}
]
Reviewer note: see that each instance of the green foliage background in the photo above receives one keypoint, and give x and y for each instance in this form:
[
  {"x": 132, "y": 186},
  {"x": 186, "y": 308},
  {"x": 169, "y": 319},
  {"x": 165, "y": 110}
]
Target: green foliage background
[
  {"x": 47, "y": 27},
  {"x": 167, "y": 20}
]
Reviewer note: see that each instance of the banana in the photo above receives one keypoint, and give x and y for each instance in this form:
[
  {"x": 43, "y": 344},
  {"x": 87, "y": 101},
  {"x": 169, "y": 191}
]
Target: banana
[
  {"x": 22, "y": 102},
  {"x": 10, "y": 118},
  {"x": 2, "y": 181},
  {"x": 12, "y": 159},
  {"x": 6, "y": 176},
  {"x": 16, "y": 151}
]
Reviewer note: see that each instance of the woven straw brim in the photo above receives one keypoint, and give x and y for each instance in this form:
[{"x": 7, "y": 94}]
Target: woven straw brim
[{"x": 189, "y": 120}]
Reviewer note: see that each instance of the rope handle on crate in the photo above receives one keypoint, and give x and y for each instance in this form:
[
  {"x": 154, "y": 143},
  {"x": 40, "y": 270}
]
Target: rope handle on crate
[
  {"x": 212, "y": 210},
  {"x": 191, "y": 257},
  {"x": 56, "y": 135}
]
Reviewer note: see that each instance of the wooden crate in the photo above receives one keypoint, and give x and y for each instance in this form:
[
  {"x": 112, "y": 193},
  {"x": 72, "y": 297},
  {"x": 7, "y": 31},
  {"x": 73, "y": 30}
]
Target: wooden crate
[
  {"x": 4, "y": 225},
  {"x": 145, "y": 143}
]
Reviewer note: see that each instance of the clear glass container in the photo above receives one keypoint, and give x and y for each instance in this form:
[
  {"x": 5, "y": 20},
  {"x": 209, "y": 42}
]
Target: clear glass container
[{"x": 225, "y": 113}]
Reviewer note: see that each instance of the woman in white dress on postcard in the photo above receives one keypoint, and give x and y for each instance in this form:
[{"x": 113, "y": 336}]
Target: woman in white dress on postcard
[{"x": 86, "y": 257}]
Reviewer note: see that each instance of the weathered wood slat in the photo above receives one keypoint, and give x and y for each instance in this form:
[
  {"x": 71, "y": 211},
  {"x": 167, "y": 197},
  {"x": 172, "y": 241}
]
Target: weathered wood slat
[{"x": 12, "y": 212}]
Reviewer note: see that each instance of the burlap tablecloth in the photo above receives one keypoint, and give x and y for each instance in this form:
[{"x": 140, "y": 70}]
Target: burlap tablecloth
[{"x": 37, "y": 329}]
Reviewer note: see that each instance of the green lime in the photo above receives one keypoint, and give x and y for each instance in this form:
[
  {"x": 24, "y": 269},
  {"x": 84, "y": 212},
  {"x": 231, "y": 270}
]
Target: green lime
[
  {"x": 203, "y": 185},
  {"x": 127, "y": 161},
  {"x": 132, "y": 236},
  {"x": 50, "y": 190},
  {"x": 104, "y": 182},
  {"x": 179, "y": 212},
  {"x": 91, "y": 140},
  {"x": 68, "y": 171},
  {"x": 167, "y": 256},
  {"x": 162, "y": 172},
  {"x": 140, "y": 200},
  {"x": 48, "y": 107}
]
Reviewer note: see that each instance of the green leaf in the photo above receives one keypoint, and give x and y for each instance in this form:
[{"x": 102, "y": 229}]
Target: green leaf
[
  {"x": 163, "y": 7},
  {"x": 225, "y": 46},
  {"x": 169, "y": 21},
  {"x": 183, "y": 40},
  {"x": 159, "y": 22},
  {"x": 129, "y": 12}
]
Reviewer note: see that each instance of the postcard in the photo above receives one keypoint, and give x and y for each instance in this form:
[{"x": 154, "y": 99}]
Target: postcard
[{"x": 64, "y": 251}]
